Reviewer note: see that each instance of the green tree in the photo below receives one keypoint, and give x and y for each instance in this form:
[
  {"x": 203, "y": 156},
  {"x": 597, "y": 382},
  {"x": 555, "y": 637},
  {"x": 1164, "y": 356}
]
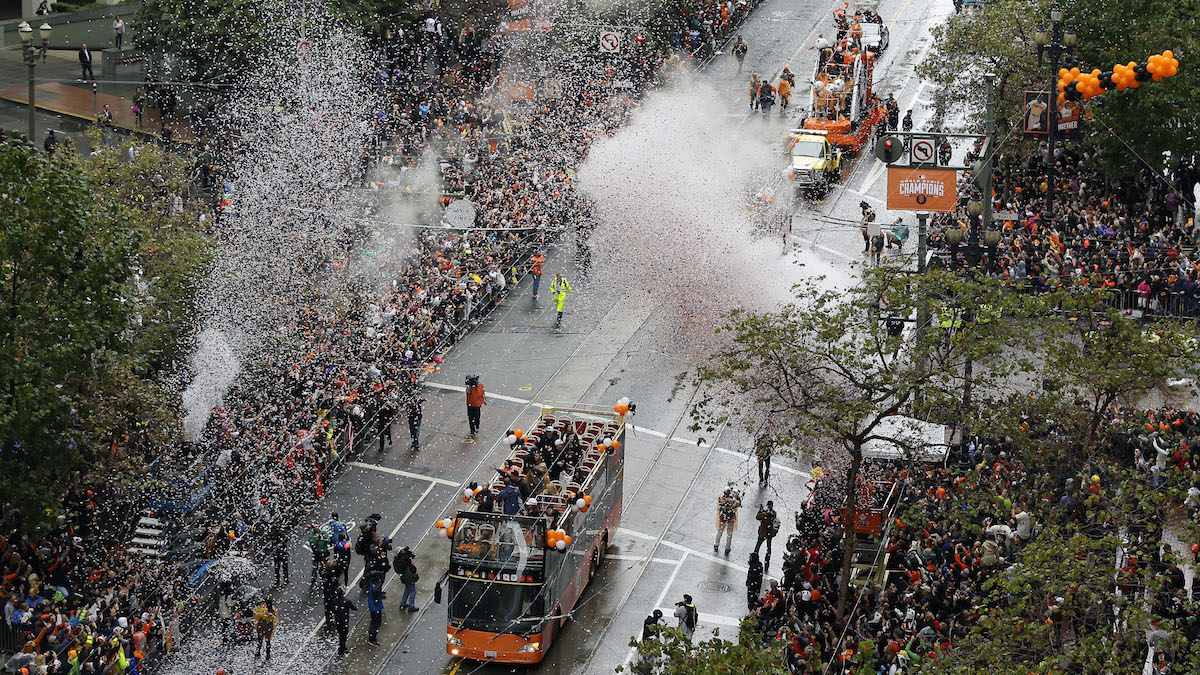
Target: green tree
[
  {"x": 1157, "y": 117},
  {"x": 670, "y": 653},
  {"x": 65, "y": 263},
  {"x": 127, "y": 404},
  {"x": 205, "y": 41},
  {"x": 1071, "y": 601},
  {"x": 1095, "y": 357},
  {"x": 827, "y": 366},
  {"x": 997, "y": 40}
]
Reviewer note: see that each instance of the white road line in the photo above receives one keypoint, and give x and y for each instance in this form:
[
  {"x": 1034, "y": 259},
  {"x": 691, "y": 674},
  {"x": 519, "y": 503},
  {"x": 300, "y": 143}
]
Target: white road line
[
  {"x": 642, "y": 558},
  {"x": 706, "y": 556},
  {"x": 635, "y": 534},
  {"x": 727, "y": 451},
  {"x": 406, "y": 474},
  {"x": 354, "y": 582},
  {"x": 661, "y": 596},
  {"x": 411, "y": 511},
  {"x": 498, "y": 397},
  {"x": 710, "y": 619},
  {"x": 636, "y": 429}
]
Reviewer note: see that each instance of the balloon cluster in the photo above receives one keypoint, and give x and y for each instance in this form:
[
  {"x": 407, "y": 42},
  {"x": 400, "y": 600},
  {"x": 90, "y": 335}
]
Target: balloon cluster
[
  {"x": 1075, "y": 85},
  {"x": 623, "y": 406},
  {"x": 445, "y": 527},
  {"x": 582, "y": 502},
  {"x": 515, "y": 436},
  {"x": 558, "y": 539},
  {"x": 470, "y": 492}
]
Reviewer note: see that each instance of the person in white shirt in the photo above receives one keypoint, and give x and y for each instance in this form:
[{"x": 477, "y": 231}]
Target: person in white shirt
[{"x": 118, "y": 32}]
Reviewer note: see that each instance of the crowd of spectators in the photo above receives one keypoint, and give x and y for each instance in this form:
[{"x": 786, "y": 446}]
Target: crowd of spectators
[
  {"x": 945, "y": 542},
  {"x": 75, "y": 599},
  {"x": 1136, "y": 239}
]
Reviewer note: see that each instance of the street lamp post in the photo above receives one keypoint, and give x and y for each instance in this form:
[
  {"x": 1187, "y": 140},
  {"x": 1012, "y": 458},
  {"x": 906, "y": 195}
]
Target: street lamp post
[
  {"x": 32, "y": 54},
  {"x": 1057, "y": 42}
]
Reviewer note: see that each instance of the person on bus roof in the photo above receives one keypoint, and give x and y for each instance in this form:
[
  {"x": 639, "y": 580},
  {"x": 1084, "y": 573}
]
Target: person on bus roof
[{"x": 510, "y": 498}]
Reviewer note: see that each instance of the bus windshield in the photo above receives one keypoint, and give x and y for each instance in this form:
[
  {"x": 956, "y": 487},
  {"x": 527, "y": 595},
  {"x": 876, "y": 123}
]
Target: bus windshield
[
  {"x": 495, "y": 541},
  {"x": 496, "y": 607}
]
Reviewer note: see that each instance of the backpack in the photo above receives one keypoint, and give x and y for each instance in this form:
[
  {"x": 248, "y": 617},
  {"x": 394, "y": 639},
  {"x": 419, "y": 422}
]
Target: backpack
[
  {"x": 691, "y": 618},
  {"x": 774, "y": 526}
]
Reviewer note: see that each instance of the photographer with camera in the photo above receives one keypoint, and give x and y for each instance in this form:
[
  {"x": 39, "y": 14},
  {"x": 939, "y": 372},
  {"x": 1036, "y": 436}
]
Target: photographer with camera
[
  {"x": 688, "y": 617},
  {"x": 768, "y": 528},
  {"x": 409, "y": 577}
]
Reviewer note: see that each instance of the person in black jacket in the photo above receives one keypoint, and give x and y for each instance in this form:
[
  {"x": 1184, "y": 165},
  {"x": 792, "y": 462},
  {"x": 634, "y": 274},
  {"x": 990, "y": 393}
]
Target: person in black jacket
[
  {"x": 85, "y": 63},
  {"x": 754, "y": 580},
  {"x": 415, "y": 410},
  {"x": 342, "y": 606}
]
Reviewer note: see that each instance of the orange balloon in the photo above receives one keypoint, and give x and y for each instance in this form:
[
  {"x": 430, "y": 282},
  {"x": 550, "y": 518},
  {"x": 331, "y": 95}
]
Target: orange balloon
[
  {"x": 1157, "y": 77},
  {"x": 567, "y": 539},
  {"x": 587, "y": 499},
  {"x": 450, "y": 532},
  {"x": 1168, "y": 54},
  {"x": 1075, "y": 72},
  {"x": 518, "y": 433}
]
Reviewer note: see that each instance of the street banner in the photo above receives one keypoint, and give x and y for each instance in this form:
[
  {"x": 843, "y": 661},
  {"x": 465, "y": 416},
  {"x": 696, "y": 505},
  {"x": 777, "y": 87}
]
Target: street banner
[
  {"x": 1035, "y": 123},
  {"x": 922, "y": 189}
]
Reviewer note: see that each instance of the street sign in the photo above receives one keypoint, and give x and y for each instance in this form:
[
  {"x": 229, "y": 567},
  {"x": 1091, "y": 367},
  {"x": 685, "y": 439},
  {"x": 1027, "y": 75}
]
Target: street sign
[
  {"x": 923, "y": 150},
  {"x": 922, "y": 189},
  {"x": 610, "y": 41},
  {"x": 1004, "y": 215}
]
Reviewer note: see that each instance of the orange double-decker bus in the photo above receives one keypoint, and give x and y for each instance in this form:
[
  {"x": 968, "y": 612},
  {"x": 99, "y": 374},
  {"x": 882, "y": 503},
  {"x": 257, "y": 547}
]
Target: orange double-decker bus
[{"x": 509, "y": 590}]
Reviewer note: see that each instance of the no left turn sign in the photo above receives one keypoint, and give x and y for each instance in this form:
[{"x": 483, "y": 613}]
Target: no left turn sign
[
  {"x": 610, "y": 42},
  {"x": 922, "y": 150}
]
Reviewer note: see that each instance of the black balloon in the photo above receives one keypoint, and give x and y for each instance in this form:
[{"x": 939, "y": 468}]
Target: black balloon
[
  {"x": 1141, "y": 74},
  {"x": 1106, "y": 80},
  {"x": 1072, "y": 93}
]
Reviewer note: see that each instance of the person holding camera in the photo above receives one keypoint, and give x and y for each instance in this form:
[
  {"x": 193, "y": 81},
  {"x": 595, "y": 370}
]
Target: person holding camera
[
  {"x": 768, "y": 528},
  {"x": 409, "y": 577},
  {"x": 476, "y": 399},
  {"x": 688, "y": 617}
]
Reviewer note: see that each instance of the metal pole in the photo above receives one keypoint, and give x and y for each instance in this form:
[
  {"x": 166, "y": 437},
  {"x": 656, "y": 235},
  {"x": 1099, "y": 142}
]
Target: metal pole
[
  {"x": 29, "y": 58},
  {"x": 1052, "y": 130},
  {"x": 922, "y": 241},
  {"x": 990, "y": 130}
]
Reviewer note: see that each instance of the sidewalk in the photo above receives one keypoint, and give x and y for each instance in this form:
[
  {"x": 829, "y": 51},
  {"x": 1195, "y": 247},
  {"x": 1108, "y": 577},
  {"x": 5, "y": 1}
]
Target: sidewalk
[{"x": 60, "y": 91}]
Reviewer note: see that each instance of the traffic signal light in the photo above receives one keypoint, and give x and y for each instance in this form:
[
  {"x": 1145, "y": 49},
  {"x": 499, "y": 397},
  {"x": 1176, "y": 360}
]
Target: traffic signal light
[
  {"x": 889, "y": 148},
  {"x": 981, "y": 173}
]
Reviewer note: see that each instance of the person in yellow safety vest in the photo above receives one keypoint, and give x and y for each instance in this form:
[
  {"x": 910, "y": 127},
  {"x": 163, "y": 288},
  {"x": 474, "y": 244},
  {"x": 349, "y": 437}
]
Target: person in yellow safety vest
[{"x": 559, "y": 288}]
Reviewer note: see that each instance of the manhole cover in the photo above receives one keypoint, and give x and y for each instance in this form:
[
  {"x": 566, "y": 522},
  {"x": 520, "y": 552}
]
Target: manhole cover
[{"x": 715, "y": 586}]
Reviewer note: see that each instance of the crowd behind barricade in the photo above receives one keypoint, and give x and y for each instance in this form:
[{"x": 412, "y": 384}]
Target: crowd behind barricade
[
  {"x": 77, "y": 597},
  {"x": 1134, "y": 240},
  {"x": 938, "y": 564},
  {"x": 75, "y": 600}
]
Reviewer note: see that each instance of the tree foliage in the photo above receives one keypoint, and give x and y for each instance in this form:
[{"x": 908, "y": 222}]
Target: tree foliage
[
  {"x": 999, "y": 40},
  {"x": 1157, "y": 117},
  {"x": 826, "y": 366},
  {"x": 65, "y": 262},
  {"x": 670, "y": 653}
]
